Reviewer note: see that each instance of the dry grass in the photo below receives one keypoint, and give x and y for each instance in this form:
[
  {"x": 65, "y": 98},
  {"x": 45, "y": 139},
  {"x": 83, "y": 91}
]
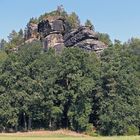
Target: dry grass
[
  {"x": 58, "y": 135},
  {"x": 61, "y": 132}
]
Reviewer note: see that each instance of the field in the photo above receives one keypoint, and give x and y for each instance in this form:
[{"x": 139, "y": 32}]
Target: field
[
  {"x": 59, "y": 135},
  {"x": 66, "y": 138}
]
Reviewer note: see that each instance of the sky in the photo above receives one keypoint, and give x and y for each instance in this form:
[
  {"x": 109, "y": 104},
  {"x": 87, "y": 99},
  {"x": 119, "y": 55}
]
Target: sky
[{"x": 119, "y": 18}]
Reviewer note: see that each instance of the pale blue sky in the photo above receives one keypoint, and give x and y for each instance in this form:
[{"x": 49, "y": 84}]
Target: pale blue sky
[{"x": 119, "y": 18}]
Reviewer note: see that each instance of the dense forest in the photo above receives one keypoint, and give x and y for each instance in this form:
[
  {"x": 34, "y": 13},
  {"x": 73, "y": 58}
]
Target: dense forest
[{"x": 74, "y": 89}]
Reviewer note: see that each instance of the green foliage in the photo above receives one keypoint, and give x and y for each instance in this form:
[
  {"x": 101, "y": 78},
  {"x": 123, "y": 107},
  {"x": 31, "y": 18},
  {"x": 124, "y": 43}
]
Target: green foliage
[
  {"x": 3, "y": 56},
  {"x": 33, "y": 20},
  {"x": 73, "y": 21},
  {"x": 16, "y": 39},
  {"x": 60, "y": 11},
  {"x": 132, "y": 130},
  {"x": 120, "y": 101},
  {"x": 79, "y": 83},
  {"x": 90, "y": 130},
  {"x": 73, "y": 89},
  {"x": 89, "y": 24},
  {"x": 49, "y": 88},
  {"x": 2, "y": 44},
  {"x": 105, "y": 38}
]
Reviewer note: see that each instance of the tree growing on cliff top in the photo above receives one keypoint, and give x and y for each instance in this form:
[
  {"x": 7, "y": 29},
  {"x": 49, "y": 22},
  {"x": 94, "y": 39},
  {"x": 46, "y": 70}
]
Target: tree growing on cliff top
[{"x": 89, "y": 24}]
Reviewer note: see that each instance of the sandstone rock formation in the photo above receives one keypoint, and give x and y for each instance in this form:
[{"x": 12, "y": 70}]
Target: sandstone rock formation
[
  {"x": 44, "y": 28},
  {"x": 52, "y": 32},
  {"x": 47, "y": 26},
  {"x": 84, "y": 38},
  {"x": 53, "y": 40}
]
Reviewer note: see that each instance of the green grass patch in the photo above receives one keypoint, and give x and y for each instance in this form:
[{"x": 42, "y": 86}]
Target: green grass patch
[{"x": 63, "y": 137}]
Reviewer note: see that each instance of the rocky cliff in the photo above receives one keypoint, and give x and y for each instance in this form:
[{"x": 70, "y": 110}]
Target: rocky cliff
[{"x": 53, "y": 33}]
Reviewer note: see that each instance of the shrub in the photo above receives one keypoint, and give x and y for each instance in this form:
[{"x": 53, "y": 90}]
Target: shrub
[
  {"x": 90, "y": 130},
  {"x": 132, "y": 130}
]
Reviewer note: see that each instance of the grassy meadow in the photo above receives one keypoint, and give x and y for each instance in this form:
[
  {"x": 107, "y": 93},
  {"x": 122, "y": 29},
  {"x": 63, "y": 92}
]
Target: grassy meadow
[{"x": 63, "y": 137}]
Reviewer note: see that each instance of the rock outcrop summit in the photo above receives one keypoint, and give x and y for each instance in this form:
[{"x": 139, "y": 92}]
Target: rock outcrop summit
[{"x": 53, "y": 33}]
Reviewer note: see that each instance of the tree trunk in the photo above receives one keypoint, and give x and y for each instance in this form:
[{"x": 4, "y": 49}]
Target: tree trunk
[
  {"x": 50, "y": 124},
  {"x": 16, "y": 128},
  {"x": 29, "y": 123},
  {"x": 25, "y": 122}
]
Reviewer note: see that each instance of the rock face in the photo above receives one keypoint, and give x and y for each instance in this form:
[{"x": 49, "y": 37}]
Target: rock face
[
  {"x": 59, "y": 26},
  {"x": 45, "y": 27},
  {"x": 78, "y": 35},
  {"x": 53, "y": 40},
  {"x": 84, "y": 38},
  {"x": 52, "y": 32}
]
